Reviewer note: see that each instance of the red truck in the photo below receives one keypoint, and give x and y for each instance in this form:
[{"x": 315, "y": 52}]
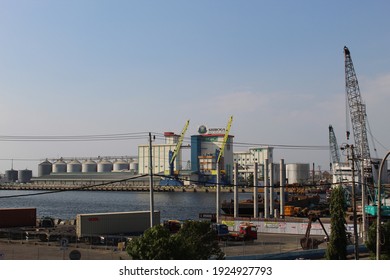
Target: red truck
[{"x": 246, "y": 232}]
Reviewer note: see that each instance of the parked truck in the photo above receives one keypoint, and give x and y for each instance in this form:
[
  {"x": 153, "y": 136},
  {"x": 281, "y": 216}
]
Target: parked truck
[
  {"x": 246, "y": 232},
  {"x": 18, "y": 217},
  {"x": 221, "y": 230},
  {"x": 92, "y": 228}
]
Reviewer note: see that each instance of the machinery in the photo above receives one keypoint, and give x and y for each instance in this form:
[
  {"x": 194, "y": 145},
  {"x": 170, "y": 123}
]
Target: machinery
[
  {"x": 335, "y": 155},
  {"x": 173, "y": 155},
  {"x": 220, "y": 152},
  {"x": 308, "y": 242},
  {"x": 357, "y": 111},
  {"x": 170, "y": 181}
]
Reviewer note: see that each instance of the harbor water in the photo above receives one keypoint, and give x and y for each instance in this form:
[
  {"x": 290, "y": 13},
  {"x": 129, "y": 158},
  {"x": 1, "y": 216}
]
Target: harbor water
[{"x": 66, "y": 205}]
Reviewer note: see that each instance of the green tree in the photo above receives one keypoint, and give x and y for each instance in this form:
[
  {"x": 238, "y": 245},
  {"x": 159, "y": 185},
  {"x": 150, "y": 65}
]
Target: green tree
[
  {"x": 385, "y": 240},
  {"x": 337, "y": 246},
  {"x": 195, "y": 241}
]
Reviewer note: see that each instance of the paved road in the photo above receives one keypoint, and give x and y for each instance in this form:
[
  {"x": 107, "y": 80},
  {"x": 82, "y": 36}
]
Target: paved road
[{"x": 32, "y": 250}]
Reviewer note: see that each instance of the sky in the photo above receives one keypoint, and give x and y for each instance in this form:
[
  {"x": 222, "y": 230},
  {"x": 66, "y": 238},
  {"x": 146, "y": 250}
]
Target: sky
[{"x": 77, "y": 68}]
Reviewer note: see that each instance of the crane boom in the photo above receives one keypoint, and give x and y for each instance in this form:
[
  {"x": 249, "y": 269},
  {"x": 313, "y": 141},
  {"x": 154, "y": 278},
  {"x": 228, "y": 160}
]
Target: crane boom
[
  {"x": 334, "y": 148},
  {"x": 225, "y": 138},
  {"x": 357, "y": 112},
  {"x": 173, "y": 155}
]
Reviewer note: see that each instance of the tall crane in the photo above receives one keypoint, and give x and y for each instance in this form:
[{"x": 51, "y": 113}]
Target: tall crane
[
  {"x": 335, "y": 153},
  {"x": 334, "y": 148},
  {"x": 225, "y": 138},
  {"x": 173, "y": 155},
  {"x": 357, "y": 112}
]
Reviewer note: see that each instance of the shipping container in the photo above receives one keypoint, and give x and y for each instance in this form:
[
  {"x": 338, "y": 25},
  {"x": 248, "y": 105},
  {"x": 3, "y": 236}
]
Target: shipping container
[
  {"x": 116, "y": 223},
  {"x": 18, "y": 217}
]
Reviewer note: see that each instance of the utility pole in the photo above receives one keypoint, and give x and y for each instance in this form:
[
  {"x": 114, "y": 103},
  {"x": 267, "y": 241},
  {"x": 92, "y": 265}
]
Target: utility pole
[
  {"x": 255, "y": 192},
  {"x": 355, "y": 232},
  {"x": 151, "y": 181},
  {"x": 218, "y": 203},
  {"x": 235, "y": 190}
]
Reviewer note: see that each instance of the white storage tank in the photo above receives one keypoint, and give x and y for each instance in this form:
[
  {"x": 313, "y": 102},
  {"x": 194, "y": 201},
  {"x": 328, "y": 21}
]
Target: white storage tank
[
  {"x": 89, "y": 166},
  {"x": 74, "y": 166},
  {"x": 134, "y": 166},
  {"x": 24, "y": 176},
  {"x": 297, "y": 172},
  {"x": 104, "y": 166},
  {"x": 45, "y": 168},
  {"x": 59, "y": 166},
  {"x": 121, "y": 165}
]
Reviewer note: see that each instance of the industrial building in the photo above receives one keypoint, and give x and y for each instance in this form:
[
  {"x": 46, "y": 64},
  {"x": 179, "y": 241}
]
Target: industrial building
[
  {"x": 246, "y": 161},
  {"x": 206, "y": 147},
  {"x": 160, "y": 155},
  {"x": 210, "y": 148}
]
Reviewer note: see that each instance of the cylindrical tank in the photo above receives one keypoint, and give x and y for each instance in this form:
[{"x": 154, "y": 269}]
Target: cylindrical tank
[
  {"x": 134, "y": 166},
  {"x": 297, "y": 172},
  {"x": 104, "y": 166},
  {"x": 45, "y": 168},
  {"x": 120, "y": 165},
  {"x": 24, "y": 176},
  {"x": 11, "y": 175},
  {"x": 89, "y": 166},
  {"x": 59, "y": 166},
  {"x": 74, "y": 166}
]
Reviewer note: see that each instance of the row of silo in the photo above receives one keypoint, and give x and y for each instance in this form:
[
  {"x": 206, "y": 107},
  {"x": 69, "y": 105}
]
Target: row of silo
[
  {"x": 21, "y": 176},
  {"x": 87, "y": 166}
]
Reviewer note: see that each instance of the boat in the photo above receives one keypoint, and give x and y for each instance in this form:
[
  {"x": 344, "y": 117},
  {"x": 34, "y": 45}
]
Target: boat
[{"x": 245, "y": 207}]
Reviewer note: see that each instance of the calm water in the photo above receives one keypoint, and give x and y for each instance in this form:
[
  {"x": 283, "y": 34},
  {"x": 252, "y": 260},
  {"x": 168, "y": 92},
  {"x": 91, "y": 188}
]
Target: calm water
[{"x": 66, "y": 205}]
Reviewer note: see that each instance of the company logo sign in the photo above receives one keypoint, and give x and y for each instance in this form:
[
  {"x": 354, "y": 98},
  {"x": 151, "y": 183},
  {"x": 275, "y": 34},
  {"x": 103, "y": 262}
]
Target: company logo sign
[{"x": 203, "y": 130}]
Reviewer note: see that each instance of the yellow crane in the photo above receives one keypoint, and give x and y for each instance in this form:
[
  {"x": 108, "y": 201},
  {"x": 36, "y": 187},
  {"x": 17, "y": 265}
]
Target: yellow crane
[
  {"x": 173, "y": 155},
  {"x": 225, "y": 138}
]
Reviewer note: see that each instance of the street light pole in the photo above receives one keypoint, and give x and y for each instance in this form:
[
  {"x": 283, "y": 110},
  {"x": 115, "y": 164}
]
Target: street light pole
[
  {"x": 378, "y": 215},
  {"x": 151, "y": 181}
]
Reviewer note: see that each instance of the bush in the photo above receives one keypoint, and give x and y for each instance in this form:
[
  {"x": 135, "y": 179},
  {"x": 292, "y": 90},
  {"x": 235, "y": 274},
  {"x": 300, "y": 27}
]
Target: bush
[{"x": 195, "y": 241}]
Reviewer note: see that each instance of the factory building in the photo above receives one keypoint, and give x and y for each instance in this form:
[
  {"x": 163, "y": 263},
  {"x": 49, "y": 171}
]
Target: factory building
[
  {"x": 246, "y": 161},
  {"x": 205, "y": 148},
  {"x": 160, "y": 156}
]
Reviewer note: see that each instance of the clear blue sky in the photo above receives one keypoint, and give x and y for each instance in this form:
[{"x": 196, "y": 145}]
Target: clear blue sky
[{"x": 104, "y": 67}]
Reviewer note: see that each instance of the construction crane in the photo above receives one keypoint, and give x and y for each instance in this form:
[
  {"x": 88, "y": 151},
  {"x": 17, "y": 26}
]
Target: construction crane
[
  {"x": 357, "y": 112},
  {"x": 334, "y": 148},
  {"x": 335, "y": 154},
  {"x": 173, "y": 155},
  {"x": 168, "y": 179},
  {"x": 225, "y": 138}
]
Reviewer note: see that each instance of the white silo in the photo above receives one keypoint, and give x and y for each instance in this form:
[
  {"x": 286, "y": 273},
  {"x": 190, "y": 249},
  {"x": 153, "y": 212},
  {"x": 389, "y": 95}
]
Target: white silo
[
  {"x": 297, "y": 172},
  {"x": 104, "y": 166},
  {"x": 74, "y": 166},
  {"x": 59, "y": 166},
  {"x": 121, "y": 165},
  {"x": 89, "y": 166},
  {"x": 45, "y": 168},
  {"x": 134, "y": 166}
]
